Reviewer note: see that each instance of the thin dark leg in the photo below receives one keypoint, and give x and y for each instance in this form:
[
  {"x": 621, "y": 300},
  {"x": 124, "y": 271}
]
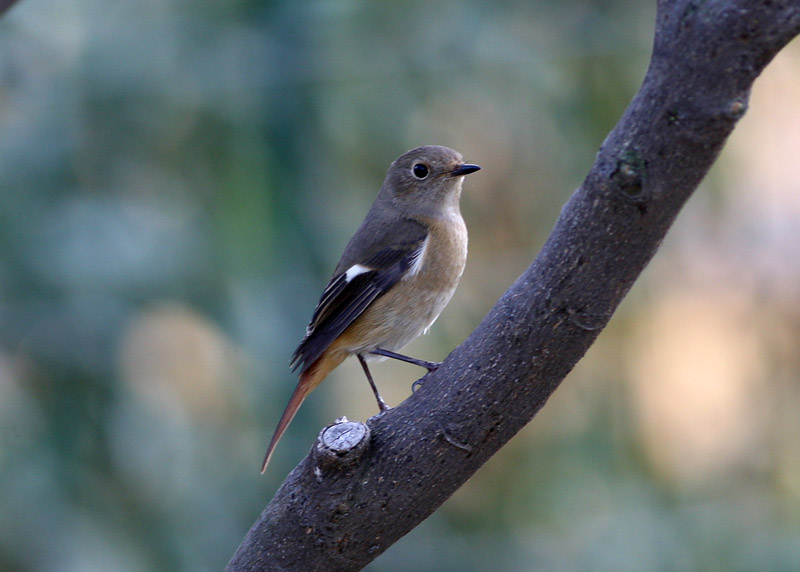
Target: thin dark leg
[
  {"x": 429, "y": 365},
  {"x": 381, "y": 402}
]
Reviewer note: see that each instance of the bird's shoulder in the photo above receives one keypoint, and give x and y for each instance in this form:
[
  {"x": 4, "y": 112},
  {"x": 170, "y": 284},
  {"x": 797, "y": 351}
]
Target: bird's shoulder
[{"x": 380, "y": 243}]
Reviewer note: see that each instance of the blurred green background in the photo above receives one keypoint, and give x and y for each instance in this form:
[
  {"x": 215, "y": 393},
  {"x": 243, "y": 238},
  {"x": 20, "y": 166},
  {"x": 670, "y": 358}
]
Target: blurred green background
[{"x": 177, "y": 180}]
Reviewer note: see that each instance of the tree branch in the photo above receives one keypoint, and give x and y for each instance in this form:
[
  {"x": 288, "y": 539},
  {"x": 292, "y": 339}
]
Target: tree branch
[{"x": 337, "y": 512}]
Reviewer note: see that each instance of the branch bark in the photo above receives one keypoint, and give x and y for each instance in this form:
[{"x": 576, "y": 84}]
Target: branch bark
[{"x": 337, "y": 512}]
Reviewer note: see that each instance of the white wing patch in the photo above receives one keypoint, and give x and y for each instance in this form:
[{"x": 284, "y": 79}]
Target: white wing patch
[
  {"x": 418, "y": 259},
  {"x": 354, "y": 271}
]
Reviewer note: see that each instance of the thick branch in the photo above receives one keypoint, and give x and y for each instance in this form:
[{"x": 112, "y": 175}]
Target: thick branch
[{"x": 340, "y": 516}]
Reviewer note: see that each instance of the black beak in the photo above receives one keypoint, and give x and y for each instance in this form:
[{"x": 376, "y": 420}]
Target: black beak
[{"x": 464, "y": 169}]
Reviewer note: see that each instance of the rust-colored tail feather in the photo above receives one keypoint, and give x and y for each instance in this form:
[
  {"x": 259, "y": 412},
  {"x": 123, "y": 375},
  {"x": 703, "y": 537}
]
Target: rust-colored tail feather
[{"x": 309, "y": 380}]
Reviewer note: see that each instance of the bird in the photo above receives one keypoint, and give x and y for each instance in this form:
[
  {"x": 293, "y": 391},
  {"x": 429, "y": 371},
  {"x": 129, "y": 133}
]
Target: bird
[{"x": 396, "y": 275}]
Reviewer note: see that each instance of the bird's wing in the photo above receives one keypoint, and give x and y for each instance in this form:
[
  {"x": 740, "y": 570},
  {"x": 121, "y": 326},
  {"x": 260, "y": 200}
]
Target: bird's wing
[{"x": 350, "y": 292}]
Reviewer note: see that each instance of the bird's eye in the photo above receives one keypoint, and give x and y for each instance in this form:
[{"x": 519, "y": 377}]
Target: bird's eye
[{"x": 420, "y": 171}]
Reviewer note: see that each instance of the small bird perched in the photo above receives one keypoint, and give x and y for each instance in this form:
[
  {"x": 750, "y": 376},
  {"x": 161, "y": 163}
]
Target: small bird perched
[{"x": 396, "y": 275}]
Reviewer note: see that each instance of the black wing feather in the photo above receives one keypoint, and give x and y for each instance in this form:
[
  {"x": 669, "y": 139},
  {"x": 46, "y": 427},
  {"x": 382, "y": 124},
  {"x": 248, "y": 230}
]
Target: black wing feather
[{"x": 342, "y": 301}]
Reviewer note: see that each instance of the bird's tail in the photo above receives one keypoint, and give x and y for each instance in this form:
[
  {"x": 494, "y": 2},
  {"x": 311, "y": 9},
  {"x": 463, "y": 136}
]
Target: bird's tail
[{"x": 309, "y": 380}]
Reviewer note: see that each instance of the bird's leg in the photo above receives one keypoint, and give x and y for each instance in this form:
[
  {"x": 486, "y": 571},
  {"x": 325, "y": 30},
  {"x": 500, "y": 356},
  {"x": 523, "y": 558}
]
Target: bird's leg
[
  {"x": 381, "y": 403},
  {"x": 429, "y": 365}
]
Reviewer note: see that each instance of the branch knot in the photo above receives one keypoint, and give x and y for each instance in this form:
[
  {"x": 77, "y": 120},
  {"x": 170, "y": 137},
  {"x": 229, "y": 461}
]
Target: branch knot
[{"x": 341, "y": 444}]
